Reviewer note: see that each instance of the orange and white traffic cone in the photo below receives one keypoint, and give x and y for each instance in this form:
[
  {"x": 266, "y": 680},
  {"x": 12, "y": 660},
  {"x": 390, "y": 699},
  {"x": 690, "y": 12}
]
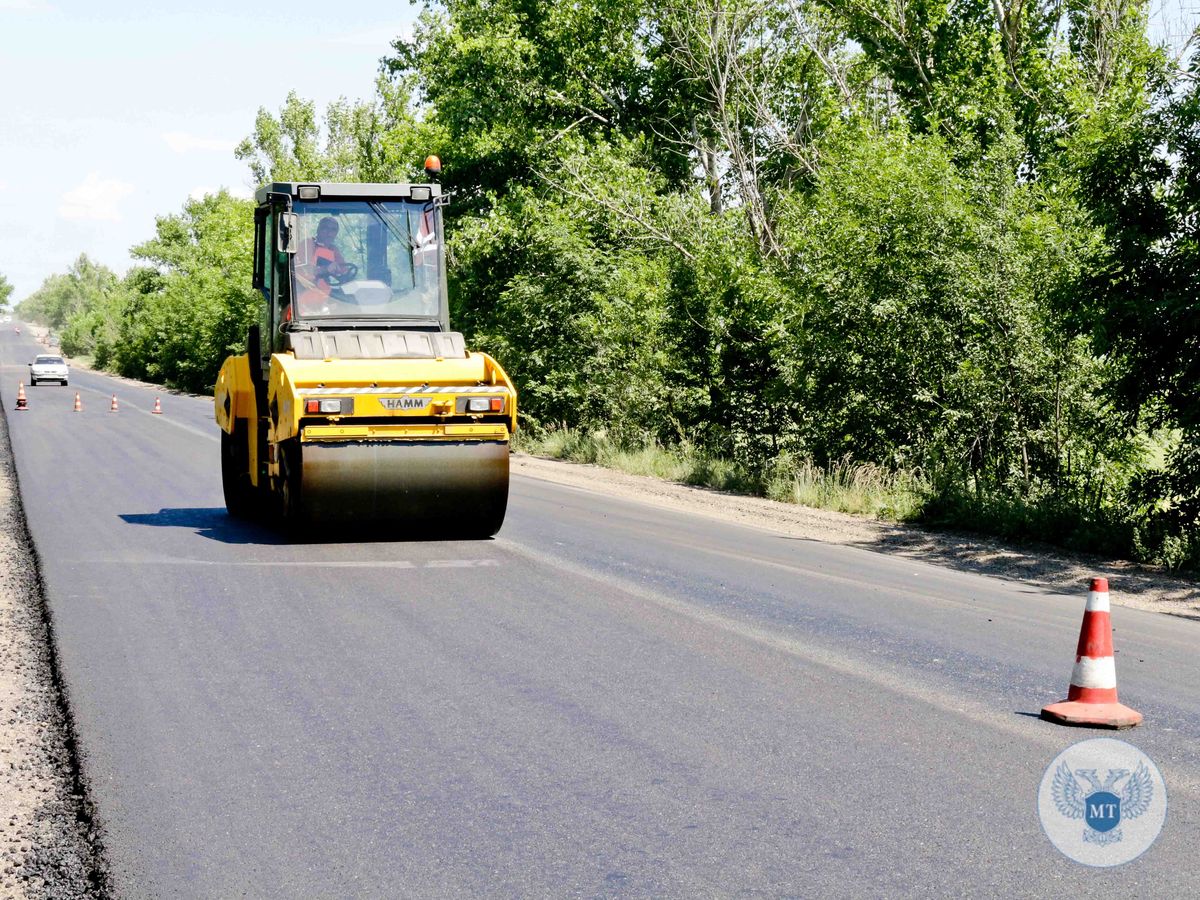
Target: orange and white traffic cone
[
  {"x": 157, "y": 407},
  {"x": 22, "y": 400},
  {"x": 78, "y": 403},
  {"x": 1092, "y": 696},
  {"x": 113, "y": 406}
]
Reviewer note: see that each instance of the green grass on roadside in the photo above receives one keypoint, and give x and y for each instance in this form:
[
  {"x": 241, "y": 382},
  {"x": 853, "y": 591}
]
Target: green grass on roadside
[
  {"x": 857, "y": 488},
  {"x": 862, "y": 489}
]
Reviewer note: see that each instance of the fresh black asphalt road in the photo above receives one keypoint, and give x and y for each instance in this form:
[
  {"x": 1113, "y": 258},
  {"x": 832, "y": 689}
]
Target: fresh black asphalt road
[{"x": 609, "y": 699}]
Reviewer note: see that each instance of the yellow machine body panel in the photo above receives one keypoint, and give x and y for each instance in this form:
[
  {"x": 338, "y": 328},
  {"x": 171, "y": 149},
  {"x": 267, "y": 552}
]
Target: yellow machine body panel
[
  {"x": 234, "y": 393},
  {"x": 234, "y": 401},
  {"x": 421, "y": 394}
]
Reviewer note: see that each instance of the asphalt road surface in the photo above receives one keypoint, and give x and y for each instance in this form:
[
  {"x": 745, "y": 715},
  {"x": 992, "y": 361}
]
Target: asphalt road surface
[{"x": 609, "y": 699}]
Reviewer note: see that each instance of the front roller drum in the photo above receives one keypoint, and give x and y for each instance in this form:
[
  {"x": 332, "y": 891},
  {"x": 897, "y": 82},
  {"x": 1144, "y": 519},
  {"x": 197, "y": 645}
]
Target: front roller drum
[
  {"x": 455, "y": 487},
  {"x": 240, "y": 496}
]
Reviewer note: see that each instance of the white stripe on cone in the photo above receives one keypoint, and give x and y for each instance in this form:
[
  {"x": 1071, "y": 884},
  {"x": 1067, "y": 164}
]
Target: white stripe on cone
[
  {"x": 1097, "y": 601},
  {"x": 1092, "y": 672}
]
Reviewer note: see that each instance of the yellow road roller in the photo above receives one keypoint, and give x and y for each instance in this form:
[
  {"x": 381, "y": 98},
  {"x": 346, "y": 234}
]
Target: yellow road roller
[{"x": 355, "y": 404}]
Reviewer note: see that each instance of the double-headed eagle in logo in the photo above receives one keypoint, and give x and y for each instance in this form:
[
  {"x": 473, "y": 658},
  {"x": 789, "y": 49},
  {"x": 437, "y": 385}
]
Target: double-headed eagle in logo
[{"x": 1099, "y": 805}]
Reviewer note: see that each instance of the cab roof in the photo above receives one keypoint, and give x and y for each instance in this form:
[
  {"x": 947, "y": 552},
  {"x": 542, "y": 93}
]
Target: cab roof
[{"x": 340, "y": 190}]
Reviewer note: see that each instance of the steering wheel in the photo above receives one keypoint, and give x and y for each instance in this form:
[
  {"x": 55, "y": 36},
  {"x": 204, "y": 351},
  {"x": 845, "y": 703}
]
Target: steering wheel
[{"x": 349, "y": 273}]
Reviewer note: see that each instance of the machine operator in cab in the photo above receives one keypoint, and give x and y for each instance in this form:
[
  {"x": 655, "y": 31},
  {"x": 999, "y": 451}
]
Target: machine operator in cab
[{"x": 320, "y": 268}]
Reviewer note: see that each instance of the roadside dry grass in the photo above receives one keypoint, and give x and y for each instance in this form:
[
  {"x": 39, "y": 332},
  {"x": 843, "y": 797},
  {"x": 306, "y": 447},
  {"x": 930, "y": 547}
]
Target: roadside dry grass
[{"x": 856, "y": 488}]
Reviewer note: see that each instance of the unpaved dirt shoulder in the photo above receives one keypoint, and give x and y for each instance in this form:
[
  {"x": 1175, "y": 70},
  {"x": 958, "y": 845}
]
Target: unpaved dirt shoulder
[
  {"x": 1141, "y": 587},
  {"x": 44, "y": 840}
]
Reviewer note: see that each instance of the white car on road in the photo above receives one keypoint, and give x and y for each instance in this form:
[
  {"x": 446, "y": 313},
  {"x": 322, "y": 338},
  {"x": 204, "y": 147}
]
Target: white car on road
[{"x": 49, "y": 368}]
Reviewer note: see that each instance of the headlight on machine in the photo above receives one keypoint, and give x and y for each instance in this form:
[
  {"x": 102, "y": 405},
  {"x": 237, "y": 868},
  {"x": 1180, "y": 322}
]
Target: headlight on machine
[
  {"x": 341, "y": 406},
  {"x": 484, "y": 404}
]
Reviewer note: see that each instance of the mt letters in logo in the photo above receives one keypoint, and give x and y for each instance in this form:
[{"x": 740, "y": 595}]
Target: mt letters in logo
[{"x": 1102, "y": 802}]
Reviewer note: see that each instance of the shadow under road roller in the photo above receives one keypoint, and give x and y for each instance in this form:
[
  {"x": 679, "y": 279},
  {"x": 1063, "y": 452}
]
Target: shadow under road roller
[{"x": 355, "y": 405}]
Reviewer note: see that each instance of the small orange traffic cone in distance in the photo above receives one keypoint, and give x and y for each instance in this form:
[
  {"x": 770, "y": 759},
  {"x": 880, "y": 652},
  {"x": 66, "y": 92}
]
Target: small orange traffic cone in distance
[
  {"x": 113, "y": 406},
  {"x": 22, "y": 400},
  {"x": 78, "y": 403},
  {"x": 157, "y": 406},
  {"x": 1092, "y": 696}
]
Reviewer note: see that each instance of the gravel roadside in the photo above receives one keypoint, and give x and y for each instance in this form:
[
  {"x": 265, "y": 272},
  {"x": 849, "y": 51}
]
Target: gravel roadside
[{"x": 46, "y": 845}]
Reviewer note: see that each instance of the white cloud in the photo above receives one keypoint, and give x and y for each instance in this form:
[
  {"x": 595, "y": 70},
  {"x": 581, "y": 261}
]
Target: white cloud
[
  {"x": 182, "y": 142},
  {"x": 3, "y": 185},
  {"x": 96, "y": 198},
  {"x": 25, "y": 6}
]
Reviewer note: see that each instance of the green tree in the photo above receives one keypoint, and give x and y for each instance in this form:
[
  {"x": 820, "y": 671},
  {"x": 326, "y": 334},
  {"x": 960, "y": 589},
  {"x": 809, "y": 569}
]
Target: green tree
[
  {"x": 562, "y": 290},
  {"x": 1140, "y": 175},
  {"x": 379, "y": 140},
  {"x": 978, "y": 70},
  {"x": 505, "y": 82},
  {"x": 63, "y": 296},
  {"x": 190, "y": 304}
]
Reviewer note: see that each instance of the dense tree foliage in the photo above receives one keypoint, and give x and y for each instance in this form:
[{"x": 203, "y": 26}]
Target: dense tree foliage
[
  {"x": 65, "y": 300},
  {"x": 948, "y": 238}
]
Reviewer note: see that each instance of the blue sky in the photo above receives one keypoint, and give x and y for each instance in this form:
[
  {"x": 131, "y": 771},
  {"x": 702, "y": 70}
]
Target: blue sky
[{"x": 114, "y": 113}]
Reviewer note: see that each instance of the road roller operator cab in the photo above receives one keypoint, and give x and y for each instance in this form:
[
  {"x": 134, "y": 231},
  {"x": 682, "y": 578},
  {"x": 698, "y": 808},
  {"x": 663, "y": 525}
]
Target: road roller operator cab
[
  {"x": 355, "y": 402},
  {"x": 357, "y": 256}
]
